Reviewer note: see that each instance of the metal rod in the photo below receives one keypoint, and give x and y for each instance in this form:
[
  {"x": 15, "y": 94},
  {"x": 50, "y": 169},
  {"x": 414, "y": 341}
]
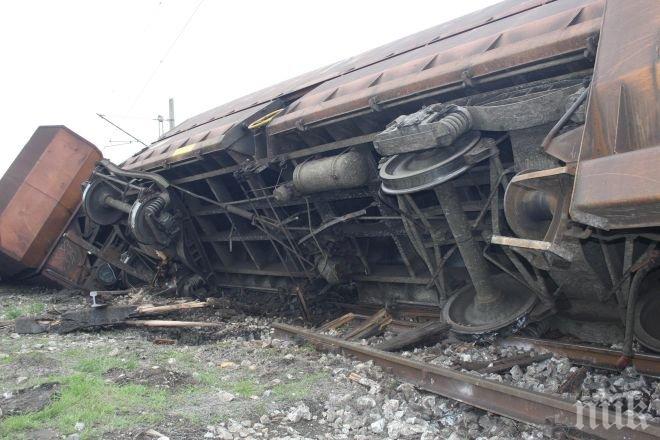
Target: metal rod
[
  {"x": 560, "y": 123},
  {"x": 472, "y": 258},
  {"x": 118, "y": 204}
]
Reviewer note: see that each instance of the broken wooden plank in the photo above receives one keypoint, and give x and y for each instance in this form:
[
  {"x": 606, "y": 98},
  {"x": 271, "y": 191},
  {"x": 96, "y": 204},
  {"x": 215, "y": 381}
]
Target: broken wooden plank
[
  {"x": 28, "y": 326},
  {"x": 372, "y": 326},
  {"x": 170, "y": 324},
  {"x": 336, "y": 323},
  {"x": 164, "y": 341},
  {"x": 168, "y": 308},
  {"x": 573, "y": 381},
  {"x": 91, "y": 317},
  {"x": 505, "y": 363},
  {"x": 414, "y": 336},
  {"x": 94, "y": 317},
  {"x": 397, "y": 325},
  {"x": 365, "y": 381}
]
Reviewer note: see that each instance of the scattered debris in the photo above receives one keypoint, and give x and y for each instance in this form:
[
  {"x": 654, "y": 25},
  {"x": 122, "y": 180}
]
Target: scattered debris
[
  {"x": 336, "y": 323},
  {"x": 104, "y": 316},
  {"x": 411, "y": 337},
  {"x": 170, "y": 324},
  {"x": 155, "y": 434},
  {"x": 164, "y": 341},
  {"x": 372, "y": 326},
  {"x": 505, "y": 364},
  {"x": 573, "y": 382}
]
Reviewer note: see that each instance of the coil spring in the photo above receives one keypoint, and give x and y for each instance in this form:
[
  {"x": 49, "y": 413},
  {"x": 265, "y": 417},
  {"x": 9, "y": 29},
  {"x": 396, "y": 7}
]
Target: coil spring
[
  {"x": 536, "y": 329},
  {"x": 457, "y": 122},
  {"x": 154, "y": 206}
]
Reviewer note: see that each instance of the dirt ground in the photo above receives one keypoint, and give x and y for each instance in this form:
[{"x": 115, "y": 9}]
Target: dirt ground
[{"x": 239, "y": 381}]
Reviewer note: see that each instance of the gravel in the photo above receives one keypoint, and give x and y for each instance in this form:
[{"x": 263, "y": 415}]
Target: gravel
[{"x": 266, "y": 387}]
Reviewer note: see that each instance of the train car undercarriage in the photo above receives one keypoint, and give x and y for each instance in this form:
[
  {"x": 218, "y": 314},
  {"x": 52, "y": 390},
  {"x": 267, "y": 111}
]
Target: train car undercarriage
[{"x": 499, "y": 168}]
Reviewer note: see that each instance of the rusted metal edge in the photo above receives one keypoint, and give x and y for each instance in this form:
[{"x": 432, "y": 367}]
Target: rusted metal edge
[
  {"x": 585, "y": 355},
  {"x": 509, "y": 401}
]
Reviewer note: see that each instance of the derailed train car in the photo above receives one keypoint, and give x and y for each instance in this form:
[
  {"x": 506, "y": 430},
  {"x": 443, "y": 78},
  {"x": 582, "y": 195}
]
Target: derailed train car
[{"x": 502, "y": 167}]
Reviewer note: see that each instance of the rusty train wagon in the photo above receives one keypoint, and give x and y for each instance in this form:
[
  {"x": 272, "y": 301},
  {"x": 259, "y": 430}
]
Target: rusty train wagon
[{"x": 501, "y": 168}]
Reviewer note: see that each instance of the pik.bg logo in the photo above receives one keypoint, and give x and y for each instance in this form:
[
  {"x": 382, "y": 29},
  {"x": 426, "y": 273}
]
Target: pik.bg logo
[{"x": 593, "y": 416}]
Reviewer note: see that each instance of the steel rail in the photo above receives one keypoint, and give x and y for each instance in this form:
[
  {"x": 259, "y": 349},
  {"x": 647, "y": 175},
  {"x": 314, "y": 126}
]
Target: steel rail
[
  {"x": 586, "y": 355},
  {"x": 506, "y": 400}
]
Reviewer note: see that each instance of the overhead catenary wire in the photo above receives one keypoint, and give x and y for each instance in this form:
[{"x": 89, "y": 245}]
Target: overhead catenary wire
[
  {"x": 119, "y": 128},
  {"x": 162, "y": 59}
]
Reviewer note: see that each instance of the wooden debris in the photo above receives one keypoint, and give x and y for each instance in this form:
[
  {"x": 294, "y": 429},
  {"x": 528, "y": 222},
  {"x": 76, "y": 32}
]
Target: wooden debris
[
  {"x": 156, "y": 310},
  {"x": 336, "y": 323},
  {"x": 396, "y": 325},
  {"x": 155, "y": 434},
  {"x": 372, "y": 326},
  {"x": 425, "y": 331},
  {"x": 26, "y": 325},
  {"x": 94, "y": 317},
  {"x": 573, "y": 382},
  {"x": 170, "y": 324},
  {"x": 164, "y": 341},
  {"x": 506, "y": 363},
  {"x": 365, "y": 381}
]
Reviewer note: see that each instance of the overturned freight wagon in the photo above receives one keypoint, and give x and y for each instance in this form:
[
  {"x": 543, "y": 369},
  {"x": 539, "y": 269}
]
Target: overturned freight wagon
[{"x": 501, "y": 168}]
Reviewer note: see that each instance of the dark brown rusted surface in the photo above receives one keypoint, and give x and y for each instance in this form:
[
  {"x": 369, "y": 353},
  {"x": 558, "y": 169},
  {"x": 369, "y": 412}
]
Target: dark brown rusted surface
[
  {"x": 39, "y": 194},
  {"x": 617, "y": 184},
  {"x": 491, "y": 41},
  {"x": 304, "y": 82},
  {"x": 619, "y": 191},
  {"x": 66, "y": 263},
  {"x": 509, "y": 401},
  {"x": 560, "y": 29}
]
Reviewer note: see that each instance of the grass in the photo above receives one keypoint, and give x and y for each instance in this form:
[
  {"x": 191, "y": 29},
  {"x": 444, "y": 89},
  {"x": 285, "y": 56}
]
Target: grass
[
  {"x": 246, "y": 387},
  {"x": 86, "y": 397},
  {"x": 96, "y": 363},
  {"x": 183, "y": 358},
  {"x": 89, "y": 399},
  {"x": 298, "y": 389},
  {"x": 13, "y": 311},
  {"x": 6, "y": 359}
]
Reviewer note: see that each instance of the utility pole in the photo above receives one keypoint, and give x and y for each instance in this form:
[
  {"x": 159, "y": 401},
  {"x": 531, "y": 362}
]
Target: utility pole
[{"x": 171, "y": 119}]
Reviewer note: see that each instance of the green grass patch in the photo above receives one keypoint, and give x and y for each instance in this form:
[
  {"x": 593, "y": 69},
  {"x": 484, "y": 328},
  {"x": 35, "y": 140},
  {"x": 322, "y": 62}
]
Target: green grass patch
[
  {"x": 13, "y": 311},
  {"x": 298, "y": 389},
  {"x": 86, "y": 397},
  {"x": 99, "y": 405},
  {"x": 98, "y": 362},
  {"x": 246, "y": 387},
  {"x": 183, "y": 358}
]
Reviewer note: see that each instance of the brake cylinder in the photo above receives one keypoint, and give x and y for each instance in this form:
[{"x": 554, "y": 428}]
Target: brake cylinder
[{"x": 343, "y": 171}]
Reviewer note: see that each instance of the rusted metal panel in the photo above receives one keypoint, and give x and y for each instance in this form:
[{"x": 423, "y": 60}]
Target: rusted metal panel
[
  {"x": 518, "y": 41},
  {"x": 623, "y": 111},
  {"x": 617, "y": 184},
  {"x": 66, "y": 263},
  {"x": 308, "y": 80},
  {"x": 220, "y": 133},
  {"x": 40, "y": 192},
  {"x": 619, "y": 191},
  {"x": 491, "y": 28}
]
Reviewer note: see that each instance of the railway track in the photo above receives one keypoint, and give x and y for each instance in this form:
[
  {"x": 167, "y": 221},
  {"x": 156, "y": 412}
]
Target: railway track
[
  {"x": 559, "y": 414},
  {"x": 588, "y": 356}
]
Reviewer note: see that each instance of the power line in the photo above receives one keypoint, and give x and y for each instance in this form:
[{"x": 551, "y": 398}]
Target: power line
[
  {"x": 118, "y": 127},
  {"x": 167, "y": 52}
]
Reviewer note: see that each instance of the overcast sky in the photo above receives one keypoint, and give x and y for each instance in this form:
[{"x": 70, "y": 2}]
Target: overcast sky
[{"x": 64, "y": 61}]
